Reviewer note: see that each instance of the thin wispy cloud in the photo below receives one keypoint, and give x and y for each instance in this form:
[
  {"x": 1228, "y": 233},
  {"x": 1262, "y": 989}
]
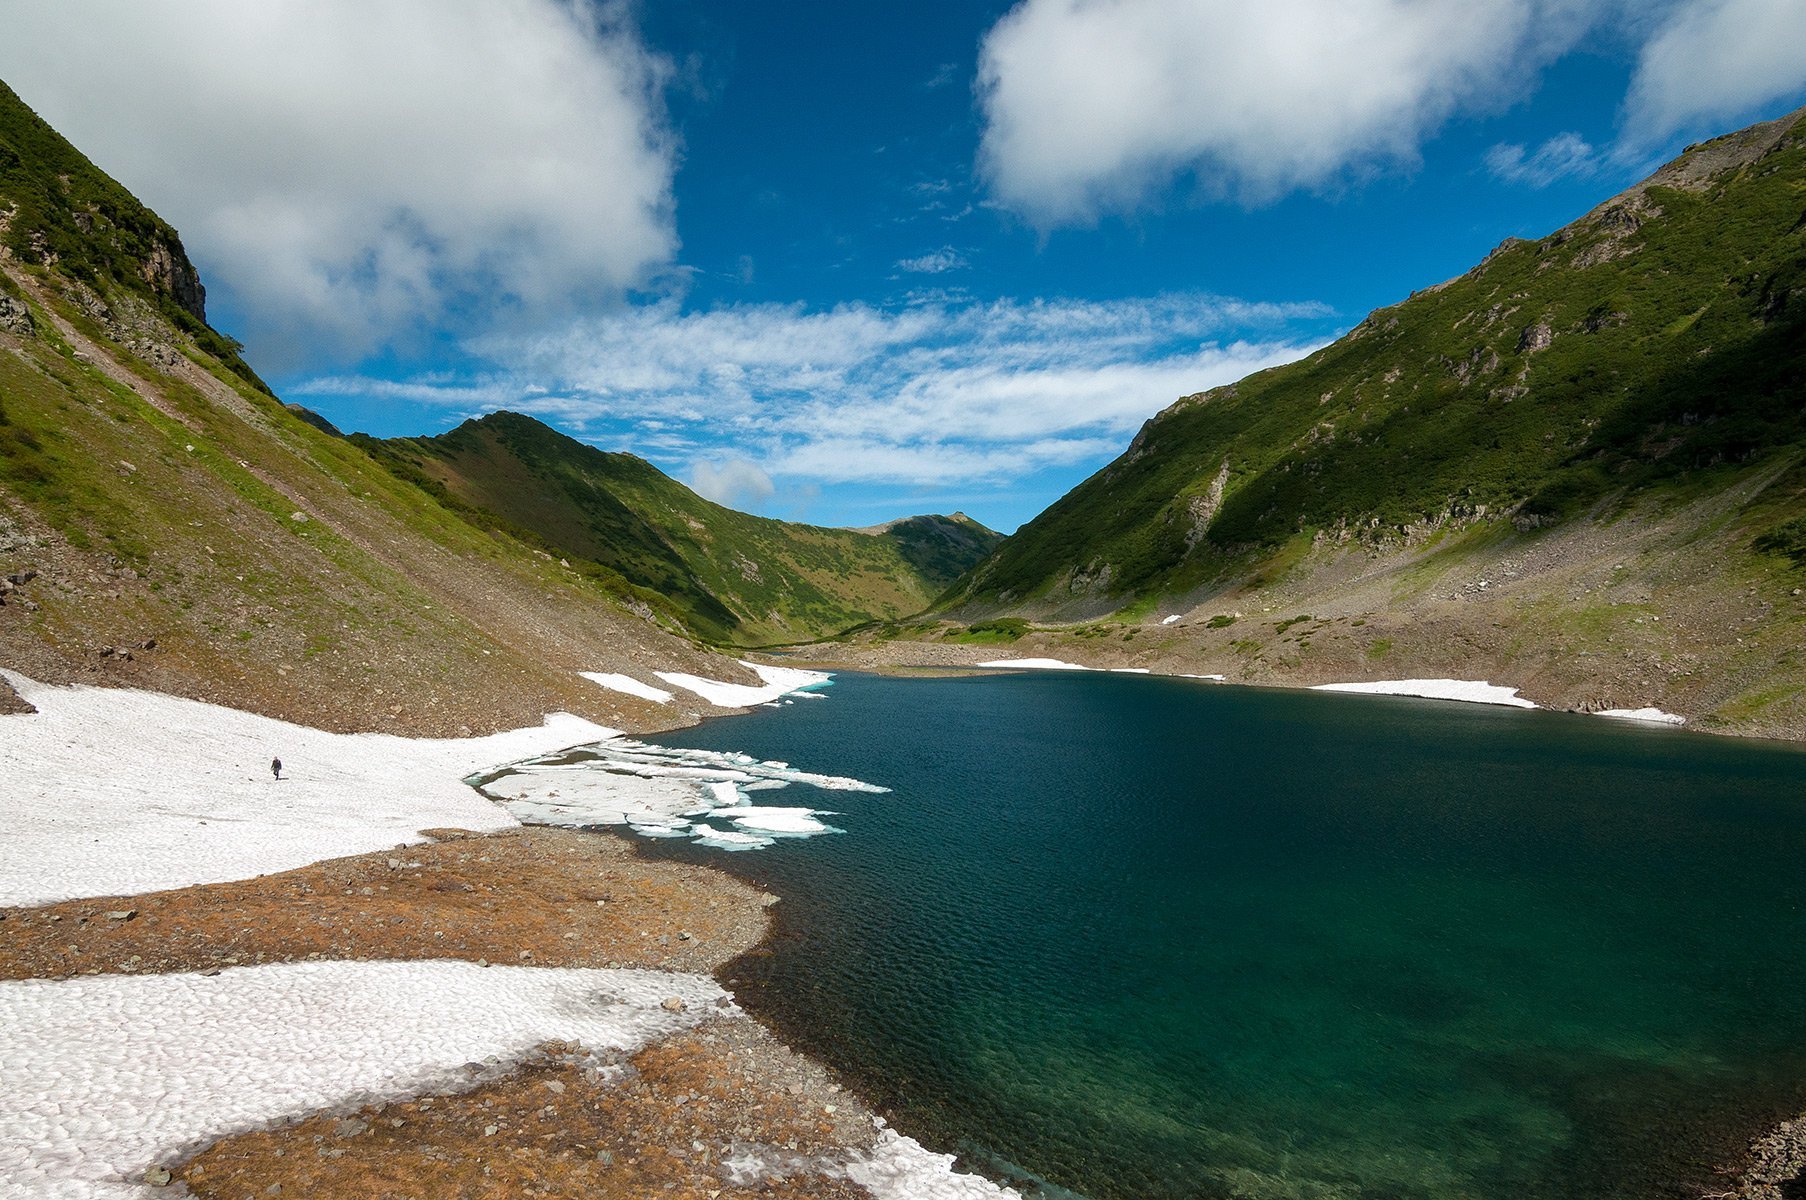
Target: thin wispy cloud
[
  {"x": 935, "y": 392},
  {"x": 935, "y": 262},
  {"x": 1564, "y": 156}
]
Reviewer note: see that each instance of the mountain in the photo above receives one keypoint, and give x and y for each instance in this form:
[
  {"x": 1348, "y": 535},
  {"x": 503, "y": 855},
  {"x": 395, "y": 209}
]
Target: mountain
[
  {"x": 166, "y": 522},
  {"x": 1589, "y": 446},
  {"x": 735, "y": 578}
]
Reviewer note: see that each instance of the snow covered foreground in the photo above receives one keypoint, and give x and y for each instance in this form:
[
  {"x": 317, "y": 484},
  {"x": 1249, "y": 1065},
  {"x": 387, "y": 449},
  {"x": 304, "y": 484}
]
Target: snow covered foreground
[
  {"x": 107, "y": 1077},
  {"x": 113, "y": 792}
]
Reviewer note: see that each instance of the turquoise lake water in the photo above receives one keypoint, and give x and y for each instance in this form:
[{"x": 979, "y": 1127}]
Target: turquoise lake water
[{"x": 1146, "y": 938}]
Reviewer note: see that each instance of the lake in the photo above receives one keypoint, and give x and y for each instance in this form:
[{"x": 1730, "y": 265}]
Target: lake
[{"x": 1138, "y": 938}]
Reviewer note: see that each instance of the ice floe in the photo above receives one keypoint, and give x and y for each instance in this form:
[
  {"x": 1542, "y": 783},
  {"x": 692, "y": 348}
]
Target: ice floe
[
  {"x": 1653, "y": 716},
  {"x": 629, "y": 685},
  {"x": 779, "y": 681},
  {"x": 106, "y": 1077},
  {"x": 664, "y": 791},
  {"x": 1035, "y": 664},
  {"x": 112, "y": 791},
  {"x": 1468, "y": 690}
]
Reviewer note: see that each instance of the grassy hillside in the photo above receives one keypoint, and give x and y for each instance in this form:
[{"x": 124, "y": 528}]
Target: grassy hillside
[
  {"x": 1579, "y": 468},
  {"x": 736, "y": 578},
  {"x": 1655, "y": 343},
  {"x": 166, "y": 522}
]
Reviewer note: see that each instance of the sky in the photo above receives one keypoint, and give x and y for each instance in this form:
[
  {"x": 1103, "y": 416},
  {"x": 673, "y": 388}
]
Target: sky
[{"x": 842, "y": 262}]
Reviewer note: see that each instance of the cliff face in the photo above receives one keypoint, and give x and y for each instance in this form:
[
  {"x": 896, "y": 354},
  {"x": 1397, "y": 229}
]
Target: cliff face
[{"x": 61, "y": 211}]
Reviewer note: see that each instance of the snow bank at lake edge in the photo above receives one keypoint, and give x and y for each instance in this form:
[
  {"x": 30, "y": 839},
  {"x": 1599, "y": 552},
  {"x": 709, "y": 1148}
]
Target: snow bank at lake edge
[{"x": 114, "y": 791}]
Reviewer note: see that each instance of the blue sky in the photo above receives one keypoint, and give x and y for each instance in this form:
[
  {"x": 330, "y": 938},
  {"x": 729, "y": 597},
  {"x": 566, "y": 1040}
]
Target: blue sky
[{"x": 840, "y": 262}]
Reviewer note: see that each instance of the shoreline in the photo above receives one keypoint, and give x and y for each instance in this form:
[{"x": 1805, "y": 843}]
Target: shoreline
[
  {"x": 479, "y": 898},
  {"x": 1773, "y": 1154},
  {"x": 955, "y": 660}
]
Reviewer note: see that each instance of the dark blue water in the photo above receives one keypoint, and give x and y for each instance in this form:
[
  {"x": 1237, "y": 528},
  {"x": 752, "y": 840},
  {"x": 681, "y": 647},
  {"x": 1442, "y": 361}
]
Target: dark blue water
[{"x": 1148, "y": 938}]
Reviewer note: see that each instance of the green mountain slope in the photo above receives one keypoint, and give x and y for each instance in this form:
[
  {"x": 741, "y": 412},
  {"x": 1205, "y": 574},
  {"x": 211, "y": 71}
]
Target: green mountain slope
[
  {"x": 735, "y": 577},
  {"x": 1584, "y": 434},
  {"x": 1658, "y": 340},
  {"x": 166, "y": 522}
]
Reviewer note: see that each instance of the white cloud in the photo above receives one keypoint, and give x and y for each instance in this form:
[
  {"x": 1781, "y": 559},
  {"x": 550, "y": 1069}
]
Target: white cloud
[
  {"x": 735, "y": 483},
  {"x": 926, "y": 394},
  {"x": 1092, "y": 105},
  {"x": 1716, "y": 60},
  {"x": 935, "y": 262},
  {"x": 348, "y": 171},
  {"x": 1558, "y": 158}
]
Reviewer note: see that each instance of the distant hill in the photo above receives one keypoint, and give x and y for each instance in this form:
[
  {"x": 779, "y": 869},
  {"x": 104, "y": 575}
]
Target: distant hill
[
  {"x": 1588, "y": 433},
  {"x": 736, "y": 578}
]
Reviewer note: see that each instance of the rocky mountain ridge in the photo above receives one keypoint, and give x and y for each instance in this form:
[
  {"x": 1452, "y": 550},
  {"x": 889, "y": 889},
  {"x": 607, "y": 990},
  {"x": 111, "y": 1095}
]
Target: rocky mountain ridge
[{"x": 1587, "y": 447}]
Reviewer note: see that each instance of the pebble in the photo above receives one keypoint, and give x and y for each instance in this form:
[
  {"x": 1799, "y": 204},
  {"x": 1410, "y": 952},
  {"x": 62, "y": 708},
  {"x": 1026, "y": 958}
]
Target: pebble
[{"x": 673, "y": 1004}]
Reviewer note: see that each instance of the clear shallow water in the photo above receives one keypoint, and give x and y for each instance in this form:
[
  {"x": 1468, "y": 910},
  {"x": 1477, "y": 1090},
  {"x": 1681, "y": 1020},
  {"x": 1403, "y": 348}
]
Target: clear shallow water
[{"x": 1150, "y": 938}]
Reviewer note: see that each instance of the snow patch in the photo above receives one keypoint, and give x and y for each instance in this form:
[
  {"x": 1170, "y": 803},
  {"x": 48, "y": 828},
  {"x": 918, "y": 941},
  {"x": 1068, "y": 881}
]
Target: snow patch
[
  {"x": 105, "y": 1077},
  {"x": 901, "y": 1168},
  {"x": 629, "y": 685},
  {"x": 1468, "y": 690},
  {"x": 1171, "y": 619},
  {"x": 1653, "y": 716},
  {"x": 779, "y": 681},
  {"x": 1035, "y": 664},
  {"x": 112, "y": 791}
]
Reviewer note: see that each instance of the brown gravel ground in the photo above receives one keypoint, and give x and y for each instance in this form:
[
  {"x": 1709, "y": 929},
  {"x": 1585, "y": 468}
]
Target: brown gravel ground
[
  {"x": 664, "y": 1122},
  {"x": 536, "y": 896},
  {"x": 682, "y": 1120}
]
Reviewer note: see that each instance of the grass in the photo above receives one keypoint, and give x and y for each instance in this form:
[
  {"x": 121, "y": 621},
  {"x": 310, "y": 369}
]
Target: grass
[
  {"x": 1672, "y": 369},
  {"x": 731, "y": 577}
]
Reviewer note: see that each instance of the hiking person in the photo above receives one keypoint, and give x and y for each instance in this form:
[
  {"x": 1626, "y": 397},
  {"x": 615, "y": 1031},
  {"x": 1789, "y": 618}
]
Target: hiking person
[{"x": 276, "y": 767}]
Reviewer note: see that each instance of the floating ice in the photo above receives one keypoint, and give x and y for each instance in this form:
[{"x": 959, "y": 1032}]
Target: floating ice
[
  {"x": 1035, "y": 664},
  {"x": 663, "y": 791},
  {"x": 106, "y": 1077},
  {"x": 773, "y": 820},
  {"x": 112, "y": 791},
  {"x": 1471, "y": 691},
  {"x": 1653, "y": 716},
  {"x": 629, "y": 685},
  {"x": 779, "y": 681}
]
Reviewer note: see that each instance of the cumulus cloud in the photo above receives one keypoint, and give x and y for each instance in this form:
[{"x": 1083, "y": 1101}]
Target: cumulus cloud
[
  {"x": 1563, "y": 155},
  {"x": 1713, "y": 61},
  {"x": 349, "y": 170},
  {"x": 930, "y": 393},
  {"x": 1093, "y": 105},
  {"x": 735, "y": 483}
]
